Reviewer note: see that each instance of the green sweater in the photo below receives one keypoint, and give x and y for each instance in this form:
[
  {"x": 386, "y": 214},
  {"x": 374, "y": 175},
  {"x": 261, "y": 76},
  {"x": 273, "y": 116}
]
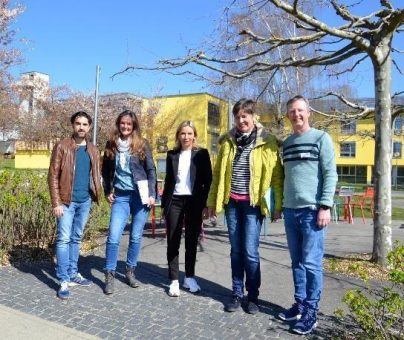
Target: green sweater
[{"x": 310, "y": 170}]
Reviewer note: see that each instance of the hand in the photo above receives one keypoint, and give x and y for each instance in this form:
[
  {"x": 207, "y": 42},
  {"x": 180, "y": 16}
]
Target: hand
[
  {"x": 58, "y": 211},
  {"x": 205, "y": 213},
  {"x": 152, "y": 202},
  {"x": 276, "y": 215},
  {"x": 323, "y": 217},
  {"x": 110, "y": 199},
  {"x": 211, "y": 212}
]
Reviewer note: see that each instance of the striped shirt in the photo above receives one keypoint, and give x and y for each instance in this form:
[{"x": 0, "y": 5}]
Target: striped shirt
[
  {"x": 240, "y": 179},
  {"x": 310, "y": 170}
]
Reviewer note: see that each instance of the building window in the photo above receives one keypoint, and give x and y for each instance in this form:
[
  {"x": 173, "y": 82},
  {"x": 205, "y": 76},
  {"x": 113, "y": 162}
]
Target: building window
[
  {"x": 347, "y": 149},
  {"x": 348, "y": 128},
  {"x": 399, "y": 178},
  {"x": 397, "y": 147},
  {"x": 214, "y": 142},
  {"x": 213, "y": 115},
  {"x": 352, "y": 174},
  {"x": 398, "y": 126}
]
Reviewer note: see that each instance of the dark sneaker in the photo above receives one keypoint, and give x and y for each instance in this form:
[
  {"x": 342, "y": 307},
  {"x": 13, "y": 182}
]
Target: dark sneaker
[
  {"x": 293, "y": 313},
  {"x": 63, "y": 292},
  {"x": 252, "y": 307},
  {"x": 109, "y": 282},
  {"x": 80, "y": 281},
  {"x": 233, "y": 305},
  {"x": 307, "y": 322},
  {"x": 130, "y": 276}
]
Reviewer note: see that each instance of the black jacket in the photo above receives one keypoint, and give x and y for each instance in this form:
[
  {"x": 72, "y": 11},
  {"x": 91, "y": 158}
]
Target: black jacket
[{"x": 201, "y": 177}]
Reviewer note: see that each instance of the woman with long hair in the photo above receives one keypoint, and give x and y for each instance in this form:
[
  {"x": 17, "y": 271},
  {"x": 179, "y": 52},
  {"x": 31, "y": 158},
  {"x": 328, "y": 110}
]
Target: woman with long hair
[
  {"x": 186, "y": 187},
  {"x": 129, "y": 178}
]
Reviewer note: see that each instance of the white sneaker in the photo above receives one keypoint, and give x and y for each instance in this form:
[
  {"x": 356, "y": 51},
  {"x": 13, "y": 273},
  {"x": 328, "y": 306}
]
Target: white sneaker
[
  {"x": 191, "y": 284},
  {"x": 174, "y": 289}
]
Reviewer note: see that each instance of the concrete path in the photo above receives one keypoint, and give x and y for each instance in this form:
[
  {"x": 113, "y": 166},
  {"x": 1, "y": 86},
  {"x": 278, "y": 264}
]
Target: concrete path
[
  {"x": 30, "y": 308},
  {"x": 18, "y": 325}
]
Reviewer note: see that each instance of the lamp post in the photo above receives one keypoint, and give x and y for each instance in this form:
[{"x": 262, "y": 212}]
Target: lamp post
[{"x": 97, "y": 76}]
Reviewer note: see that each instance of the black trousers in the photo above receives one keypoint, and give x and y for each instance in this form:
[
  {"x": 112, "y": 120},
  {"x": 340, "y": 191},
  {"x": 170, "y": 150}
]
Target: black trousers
[{"x": 182, "y": 213}]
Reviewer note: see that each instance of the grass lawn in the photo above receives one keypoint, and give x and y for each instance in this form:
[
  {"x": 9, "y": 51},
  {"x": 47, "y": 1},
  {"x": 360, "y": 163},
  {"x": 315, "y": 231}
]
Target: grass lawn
[
  {"x": 397, "y": 214},
  {"x": 7, "y": 163}
]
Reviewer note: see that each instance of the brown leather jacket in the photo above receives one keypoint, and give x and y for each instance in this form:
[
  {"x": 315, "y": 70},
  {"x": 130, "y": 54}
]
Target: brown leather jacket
[{"x": 61, "y": 172}]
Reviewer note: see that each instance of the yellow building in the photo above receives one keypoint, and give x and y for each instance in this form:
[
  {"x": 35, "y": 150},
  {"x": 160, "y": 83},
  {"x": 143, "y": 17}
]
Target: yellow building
[
  {"x": 209, "y": 114},
  {"x": 32, "y": 155},
  {"x": 355, "y": 151}
]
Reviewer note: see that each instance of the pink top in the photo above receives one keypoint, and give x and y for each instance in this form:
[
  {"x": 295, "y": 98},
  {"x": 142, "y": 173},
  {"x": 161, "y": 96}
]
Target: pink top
[{"x": 239, "y": 197}]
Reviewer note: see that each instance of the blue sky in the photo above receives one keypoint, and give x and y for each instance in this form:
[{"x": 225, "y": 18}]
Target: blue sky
[{"x": 67, "y": 39}]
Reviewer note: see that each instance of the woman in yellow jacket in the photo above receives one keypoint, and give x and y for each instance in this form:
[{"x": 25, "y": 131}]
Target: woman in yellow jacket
[{"x": 248, "y": 164}]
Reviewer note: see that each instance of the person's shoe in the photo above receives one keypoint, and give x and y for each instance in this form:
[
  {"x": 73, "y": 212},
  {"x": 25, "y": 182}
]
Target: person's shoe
[
  {"x": 130, "y": 276},
  {"x": 109, "y": 282},
  {"x": 80, "y": 281},
  {"x": 234, "y": 304},
  {"x": 63, "y": 292},
  {"x": 293, "y": 313},
  {"x": 174, "y": 289},
  {"x": 252, "y": 307},
  {"x": 191, "y": 284},
  {"x": 307, "y": 322}
]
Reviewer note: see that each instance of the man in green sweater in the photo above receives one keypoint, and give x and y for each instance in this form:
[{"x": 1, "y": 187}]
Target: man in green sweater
[{"x": 309, "y": 186}]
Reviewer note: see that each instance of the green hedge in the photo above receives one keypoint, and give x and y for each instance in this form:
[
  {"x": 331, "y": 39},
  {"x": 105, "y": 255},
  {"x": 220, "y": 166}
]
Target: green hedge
[{"x": 26, "y": 218}]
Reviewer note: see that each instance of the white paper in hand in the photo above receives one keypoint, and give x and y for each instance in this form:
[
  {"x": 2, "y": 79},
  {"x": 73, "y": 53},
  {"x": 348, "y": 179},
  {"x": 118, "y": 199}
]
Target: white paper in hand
[
  {"x": 268, "y": 199},
  {"x": 143, "y": 187}
]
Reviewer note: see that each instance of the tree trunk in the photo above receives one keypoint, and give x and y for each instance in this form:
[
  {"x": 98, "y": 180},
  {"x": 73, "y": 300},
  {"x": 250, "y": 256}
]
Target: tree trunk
[{"x": 382, "y": 241}]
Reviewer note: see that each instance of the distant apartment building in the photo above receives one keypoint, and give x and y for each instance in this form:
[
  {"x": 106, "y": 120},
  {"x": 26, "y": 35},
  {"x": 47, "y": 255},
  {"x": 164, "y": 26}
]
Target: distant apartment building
[
  {"x": 355, "y": 151},
  {"x": 34, "y": 86}
]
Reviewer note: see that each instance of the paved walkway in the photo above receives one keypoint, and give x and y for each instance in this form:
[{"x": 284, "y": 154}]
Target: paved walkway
[{"x": 29, "y": 307}]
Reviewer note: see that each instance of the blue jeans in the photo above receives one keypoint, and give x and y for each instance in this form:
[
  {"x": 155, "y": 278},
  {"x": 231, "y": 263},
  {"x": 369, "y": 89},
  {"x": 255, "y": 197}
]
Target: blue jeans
[
  {"x": 244, "y": 225},
  {"x": 306, "y": 248},
  {"x": 126, "y": 203},
  {"x": 70, "y": 227}
]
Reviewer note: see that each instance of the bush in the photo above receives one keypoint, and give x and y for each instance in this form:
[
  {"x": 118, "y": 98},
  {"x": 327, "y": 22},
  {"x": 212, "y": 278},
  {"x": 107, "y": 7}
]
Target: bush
[
  {"x": 26, "y": 219},
  {"x": 379, "y": 311}
]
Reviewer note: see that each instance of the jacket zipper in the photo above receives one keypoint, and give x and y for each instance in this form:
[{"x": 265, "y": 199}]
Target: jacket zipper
[
  {"x": 74, "y": 172},
  {"x": 251, "y": 179}
]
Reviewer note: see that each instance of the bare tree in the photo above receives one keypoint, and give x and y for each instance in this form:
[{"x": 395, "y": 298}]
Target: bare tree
[
  {"x": 355, "y": 39},
  {"x": 271, "y": 89},
  {"x": 56, "y": 105}
]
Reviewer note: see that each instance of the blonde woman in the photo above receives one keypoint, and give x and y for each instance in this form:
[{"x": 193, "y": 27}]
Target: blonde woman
[{"x": 186, "y": 187}]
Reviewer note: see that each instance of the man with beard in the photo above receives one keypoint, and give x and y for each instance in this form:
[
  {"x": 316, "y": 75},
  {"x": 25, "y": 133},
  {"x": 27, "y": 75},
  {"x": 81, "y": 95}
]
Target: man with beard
[{"x": 74, "y": 182}]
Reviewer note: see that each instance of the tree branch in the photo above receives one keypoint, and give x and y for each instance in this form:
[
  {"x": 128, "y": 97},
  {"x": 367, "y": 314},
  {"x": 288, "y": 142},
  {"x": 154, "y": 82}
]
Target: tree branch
[
  {"x": 361, "y": 109},
  {"x": 396, "y": 50},
  {"x": 397, "y": 67},
  {"x": 267, "y": 84},
  {"x": 387, "y": 4},
  {"x": 336, "y": 74},
  {"x": 321, "y": 26}
]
